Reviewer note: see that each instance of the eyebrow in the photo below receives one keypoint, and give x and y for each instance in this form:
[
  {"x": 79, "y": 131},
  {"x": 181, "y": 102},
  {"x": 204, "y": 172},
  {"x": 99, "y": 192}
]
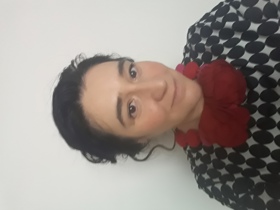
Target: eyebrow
[
  {"x": 119, "y": 111},
  {"x": 119, "y": 100},
  {"x": 121, "y": 67}
]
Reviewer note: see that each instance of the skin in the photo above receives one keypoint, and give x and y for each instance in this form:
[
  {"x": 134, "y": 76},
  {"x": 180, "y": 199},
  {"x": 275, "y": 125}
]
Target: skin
[{"x": 147, "y": 91}]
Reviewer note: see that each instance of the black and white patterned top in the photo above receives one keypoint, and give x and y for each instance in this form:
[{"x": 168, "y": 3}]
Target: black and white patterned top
[{"x": 245, "y": 33}]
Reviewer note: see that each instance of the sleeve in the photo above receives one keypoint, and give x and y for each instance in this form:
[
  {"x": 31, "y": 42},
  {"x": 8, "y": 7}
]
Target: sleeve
[{"x": 242, "y": 32}]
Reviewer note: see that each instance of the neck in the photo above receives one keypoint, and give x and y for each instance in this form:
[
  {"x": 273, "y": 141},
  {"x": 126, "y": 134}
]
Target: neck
[{"x": 192, "y": 122}]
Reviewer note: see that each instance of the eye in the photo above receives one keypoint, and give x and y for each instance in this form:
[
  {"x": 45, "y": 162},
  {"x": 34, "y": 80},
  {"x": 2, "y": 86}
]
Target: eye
[
  {"x": 132, "y": 71},
  {"x": 132, "y": 109}
]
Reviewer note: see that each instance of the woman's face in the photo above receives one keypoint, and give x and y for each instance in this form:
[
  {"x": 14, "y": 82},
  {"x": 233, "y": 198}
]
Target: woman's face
[{"x": 138, "y": 100}]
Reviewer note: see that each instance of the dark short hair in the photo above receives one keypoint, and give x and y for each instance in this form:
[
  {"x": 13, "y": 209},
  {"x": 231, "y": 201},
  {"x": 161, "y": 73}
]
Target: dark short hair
[{"x": 95, "y": 145}]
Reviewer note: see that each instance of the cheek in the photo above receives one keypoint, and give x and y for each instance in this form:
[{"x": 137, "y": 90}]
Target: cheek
[
  {"x": 154, "y": 121},
  {"x": 152, "y": 69}
]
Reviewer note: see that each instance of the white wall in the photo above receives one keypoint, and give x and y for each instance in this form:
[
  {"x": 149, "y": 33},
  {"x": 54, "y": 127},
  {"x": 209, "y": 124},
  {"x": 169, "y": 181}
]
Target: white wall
[{"x": 37, "y": 40}]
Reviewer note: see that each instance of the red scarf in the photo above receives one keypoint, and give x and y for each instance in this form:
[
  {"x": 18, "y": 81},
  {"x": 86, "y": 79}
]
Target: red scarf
[{"x": 223, "y": 121}]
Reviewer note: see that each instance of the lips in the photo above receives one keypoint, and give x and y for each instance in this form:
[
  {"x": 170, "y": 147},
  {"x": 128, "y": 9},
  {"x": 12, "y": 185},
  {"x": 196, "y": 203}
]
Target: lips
[
  {"x": 174, "y": 92},
  {"x": 178, "y": 92}
]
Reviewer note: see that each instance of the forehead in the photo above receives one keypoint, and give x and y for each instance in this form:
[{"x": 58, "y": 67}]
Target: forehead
[
  {"x": 100, "y": 70},
  {"x": 98, "y": 99}
]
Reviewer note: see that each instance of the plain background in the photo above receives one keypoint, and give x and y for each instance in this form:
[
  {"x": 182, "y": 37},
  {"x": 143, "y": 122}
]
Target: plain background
[{"x": 37, "y": 40}]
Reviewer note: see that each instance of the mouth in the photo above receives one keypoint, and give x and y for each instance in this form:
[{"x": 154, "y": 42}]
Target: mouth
[{"x": 174, "y": 92}]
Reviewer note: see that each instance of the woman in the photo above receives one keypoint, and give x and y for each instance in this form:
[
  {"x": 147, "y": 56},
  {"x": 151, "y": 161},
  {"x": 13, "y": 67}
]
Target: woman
[{"x": 107, "y": 106}]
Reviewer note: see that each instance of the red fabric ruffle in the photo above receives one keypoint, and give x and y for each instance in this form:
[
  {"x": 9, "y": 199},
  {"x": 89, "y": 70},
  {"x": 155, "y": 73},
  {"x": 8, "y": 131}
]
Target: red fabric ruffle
[{"x": 223, "y": 121}]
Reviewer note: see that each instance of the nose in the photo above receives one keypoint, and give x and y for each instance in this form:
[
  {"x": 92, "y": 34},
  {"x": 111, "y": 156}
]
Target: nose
[{"x": 156, "y": 88}]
